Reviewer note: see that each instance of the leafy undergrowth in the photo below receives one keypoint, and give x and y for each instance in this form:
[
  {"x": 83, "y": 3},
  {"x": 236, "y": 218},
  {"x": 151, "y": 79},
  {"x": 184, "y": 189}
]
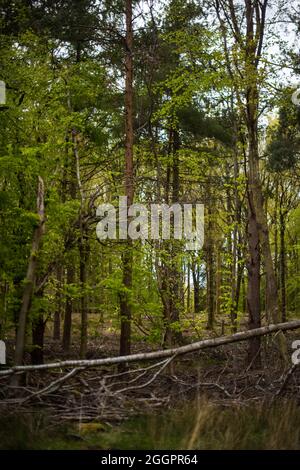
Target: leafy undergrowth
[{"x": 203, "y": 425}]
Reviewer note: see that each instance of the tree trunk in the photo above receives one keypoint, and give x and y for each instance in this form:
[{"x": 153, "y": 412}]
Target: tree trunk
[
  {"x": 67, "y": 331},
  {"x": 252, "y": 112},
  {"x": 210, "y": 272},
  {"x": 188, "y": 298},
  {"x": 237, "y": 269},
  {"x": 57, "y": 313},
  {"x": 195, "y": 274},
  {"x": 38, "y": 330},
  {"x": 240, "y": 271},
  {"x": 174, "y": 280},
  {"x": 30, "y": 276},
  {"x": 275, "y": 221},
  {"x": 125, "y": 304},
  {"x": 253, "y": 293},
  {"x": 282, "y": 268},
  {"x": 218, "y": 276},
  {"x": 83, "y": 253},
  {"x": 249, "y": 37}
]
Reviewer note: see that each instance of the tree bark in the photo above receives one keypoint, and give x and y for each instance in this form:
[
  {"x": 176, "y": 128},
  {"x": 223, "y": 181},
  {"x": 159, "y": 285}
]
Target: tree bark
[
  {"x": 38, "y": 330},
  {"x": 127, "y": 258},
  {"x": 188, "y": 297},
  {"x": 210, "y": 271},
  {"x": 253, "y": 293},
  {"x": 83, "y": 253},
  {"x": 57, "y": 313},
  {"x": 31, "y": 275},
  {"x": 196, "y": 285},
  {"x": 67, "y": 331},
  {"x": 282, "y": 267}
]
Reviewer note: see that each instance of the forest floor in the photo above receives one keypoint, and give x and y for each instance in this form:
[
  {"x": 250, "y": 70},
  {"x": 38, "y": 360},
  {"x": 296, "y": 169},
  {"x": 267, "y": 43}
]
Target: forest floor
[{"x": 103, "y": 408}]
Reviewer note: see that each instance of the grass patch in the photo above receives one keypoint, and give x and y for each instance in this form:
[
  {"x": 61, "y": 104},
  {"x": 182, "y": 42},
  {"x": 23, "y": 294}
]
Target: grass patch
[{"x": 201, "y": 425}]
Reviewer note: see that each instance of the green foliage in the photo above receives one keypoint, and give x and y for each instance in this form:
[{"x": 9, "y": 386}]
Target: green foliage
[
  {"x": 63, "y": 64},
  {"x": 284, "y": 145}
]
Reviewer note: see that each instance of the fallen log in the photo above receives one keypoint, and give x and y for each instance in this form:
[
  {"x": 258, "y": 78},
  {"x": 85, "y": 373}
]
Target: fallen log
[{"x": 165, "y": 353}]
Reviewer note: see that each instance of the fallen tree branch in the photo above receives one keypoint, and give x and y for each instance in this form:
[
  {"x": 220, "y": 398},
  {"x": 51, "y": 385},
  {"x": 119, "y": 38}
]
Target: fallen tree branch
[
  {"x": 204, "y": 384},
  {"x": 199, "y": 345},
  {"x": 135, "y": 387},
  {"x": 285, "y": 381},
  {"x": 53, "y": 386},
  {"x": 142, "y": 372}
]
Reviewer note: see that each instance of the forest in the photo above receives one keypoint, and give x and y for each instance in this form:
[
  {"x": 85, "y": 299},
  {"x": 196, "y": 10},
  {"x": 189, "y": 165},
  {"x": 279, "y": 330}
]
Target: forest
[{"x": 149, "y": 224}]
